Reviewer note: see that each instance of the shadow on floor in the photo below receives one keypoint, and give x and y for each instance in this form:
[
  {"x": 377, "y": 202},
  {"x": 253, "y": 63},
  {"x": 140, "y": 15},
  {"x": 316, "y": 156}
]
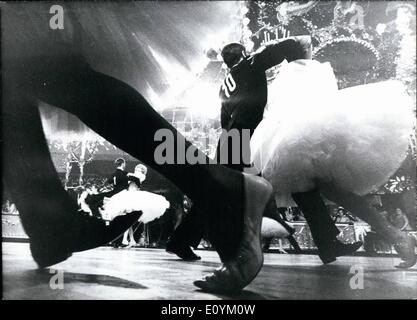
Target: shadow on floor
[{"x": 44, "y": 276}]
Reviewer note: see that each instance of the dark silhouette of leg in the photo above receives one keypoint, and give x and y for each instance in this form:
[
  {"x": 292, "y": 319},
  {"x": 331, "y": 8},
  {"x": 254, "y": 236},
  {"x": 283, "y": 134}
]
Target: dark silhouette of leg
[
  {"x": 122, "y": 116},
  {"x": 403, "y": 244},
  {"x": 322, "y": 227}
]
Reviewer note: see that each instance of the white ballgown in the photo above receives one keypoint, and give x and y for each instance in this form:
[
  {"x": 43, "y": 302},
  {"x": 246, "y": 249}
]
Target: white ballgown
[
  {"x": 133, "y": 199},
  {"x": 355, "y": 138},
  {"x": 273, "y": 229}
]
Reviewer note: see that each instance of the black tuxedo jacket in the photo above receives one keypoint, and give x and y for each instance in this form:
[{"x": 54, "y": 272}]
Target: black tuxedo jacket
[{"x": 243, "y": 94}]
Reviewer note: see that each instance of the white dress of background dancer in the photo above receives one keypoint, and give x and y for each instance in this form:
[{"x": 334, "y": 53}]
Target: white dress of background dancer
[
  {"x": 345, "y": 142},
  {"x": 355, "y": 138},
  {"x": 134, "y": 199}
]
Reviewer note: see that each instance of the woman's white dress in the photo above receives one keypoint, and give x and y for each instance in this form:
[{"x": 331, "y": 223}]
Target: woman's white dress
[
  {"x": 273, "y": 229},
  {"x": 355, "y": 138},
  {"x": 133, "y": 199}
]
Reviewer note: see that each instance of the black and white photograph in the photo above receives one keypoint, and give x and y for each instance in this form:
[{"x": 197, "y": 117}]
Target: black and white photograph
[{"x": 213, "y": 151}]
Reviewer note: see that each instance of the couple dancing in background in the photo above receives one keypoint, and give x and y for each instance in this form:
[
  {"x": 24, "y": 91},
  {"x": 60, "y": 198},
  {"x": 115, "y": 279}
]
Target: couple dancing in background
[
  {"x": 312, "y": 140},
  {"x": 243, "y": 96},
  {"x": 127, "y": 197},
  {"x": 56, "y": 229}
]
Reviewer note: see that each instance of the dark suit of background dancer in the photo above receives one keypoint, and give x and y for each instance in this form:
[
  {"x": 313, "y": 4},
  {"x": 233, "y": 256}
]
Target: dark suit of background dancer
[{"x": 119, "y": 178}]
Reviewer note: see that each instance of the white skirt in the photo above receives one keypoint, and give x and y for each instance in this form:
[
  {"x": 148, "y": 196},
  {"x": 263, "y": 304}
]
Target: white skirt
[
  {"x": 355, "y": 138},
  {"x": 273, "y": 229},
  {"x": 152, "y": 205}
]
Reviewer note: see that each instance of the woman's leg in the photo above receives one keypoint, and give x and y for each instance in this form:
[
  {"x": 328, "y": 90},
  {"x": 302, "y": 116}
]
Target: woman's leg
[
  {"x": 123, "y": 117},
  {"x": 132, "y": 241},
  {"x": 125, "y": 241},
  {"x": 356, "y": 204}
]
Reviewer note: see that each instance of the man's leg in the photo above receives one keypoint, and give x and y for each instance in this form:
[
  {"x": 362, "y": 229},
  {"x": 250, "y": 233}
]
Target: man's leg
[
  {"x": 188, "y": 234},
  {"x": 403, "y": 244},
  {"x": 322, "y": 227},
  {"x": 122, "y": 116},
  {"x": 191, "y": 229}
]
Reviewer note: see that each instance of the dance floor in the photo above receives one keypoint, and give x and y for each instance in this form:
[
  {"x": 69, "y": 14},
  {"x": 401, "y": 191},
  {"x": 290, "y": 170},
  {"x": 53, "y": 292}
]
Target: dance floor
[{"x": 107, "y": 273}]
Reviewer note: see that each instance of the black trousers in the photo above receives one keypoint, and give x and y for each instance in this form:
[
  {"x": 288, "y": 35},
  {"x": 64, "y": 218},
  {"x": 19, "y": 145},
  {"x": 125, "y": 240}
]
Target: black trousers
[
  {"x": 322, "y": 227},
  {"x": 119, "y": 114}
]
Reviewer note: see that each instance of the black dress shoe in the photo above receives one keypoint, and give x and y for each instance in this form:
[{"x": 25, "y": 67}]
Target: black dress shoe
[
  {"x": 79, "y": 232},
  {"x": 327, "y": 257},
  {"x": 338, "y": 249},
  {"x": 182, "y": 251}
]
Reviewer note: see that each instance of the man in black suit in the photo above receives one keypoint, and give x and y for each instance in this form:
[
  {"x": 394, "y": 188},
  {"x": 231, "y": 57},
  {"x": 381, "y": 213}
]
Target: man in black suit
[
  {"x": 243, "y": 97},
  {"x": 119, "y": 178},
  {"x": 120, "y": 181}
]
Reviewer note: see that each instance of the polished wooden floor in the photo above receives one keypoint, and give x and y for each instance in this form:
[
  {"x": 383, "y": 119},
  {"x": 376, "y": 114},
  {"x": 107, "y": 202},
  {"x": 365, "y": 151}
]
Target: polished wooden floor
[{"x": 107, "y": 273}]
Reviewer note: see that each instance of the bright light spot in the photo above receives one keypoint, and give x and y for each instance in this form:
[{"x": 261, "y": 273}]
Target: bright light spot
[
  {"x": 202, "y": 100},
  {"x": 177, "y": 76},
  {"x": 249, "y": 45},
  {"x": 248, "y": 33},
  {"x": 380, "y": 28}
]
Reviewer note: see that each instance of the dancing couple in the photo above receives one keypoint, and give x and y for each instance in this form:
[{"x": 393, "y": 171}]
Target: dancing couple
[
  {"x": 310, "y": 141},
  {"x": 57, "y": 75},
  {"x": 131, "y": 198},
  {"x": 127, "y": 196}
]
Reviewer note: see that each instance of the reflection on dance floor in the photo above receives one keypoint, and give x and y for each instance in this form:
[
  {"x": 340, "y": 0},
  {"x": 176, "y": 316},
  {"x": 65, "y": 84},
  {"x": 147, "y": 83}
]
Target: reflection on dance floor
[{"x": 107, "y": 273}]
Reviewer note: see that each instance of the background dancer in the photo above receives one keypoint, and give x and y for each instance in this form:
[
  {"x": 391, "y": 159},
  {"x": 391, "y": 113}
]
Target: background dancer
[
  {"x": 119, "y": 180},
  {"x": 140, "y": 174},
  {"x": 244, "y": 96},
  {"x": 131, "y": 198}
]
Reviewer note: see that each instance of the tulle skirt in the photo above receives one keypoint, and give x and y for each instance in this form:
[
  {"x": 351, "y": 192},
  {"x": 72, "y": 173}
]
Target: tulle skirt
[
  {"x": 273, "y": 229},
  {"x": 355, "y": 138},
  {"x": 152, "y": 205}
]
